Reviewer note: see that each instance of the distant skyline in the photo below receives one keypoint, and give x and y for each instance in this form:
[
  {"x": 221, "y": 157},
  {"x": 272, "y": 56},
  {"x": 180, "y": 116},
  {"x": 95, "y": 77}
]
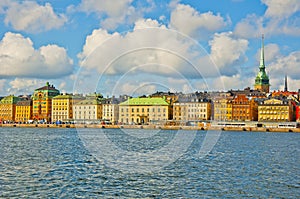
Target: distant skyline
[{"x": 142, "y": 46}]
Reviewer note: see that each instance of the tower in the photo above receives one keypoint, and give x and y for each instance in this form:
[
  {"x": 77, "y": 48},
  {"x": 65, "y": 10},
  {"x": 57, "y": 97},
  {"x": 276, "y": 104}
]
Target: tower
[
  {"x": 285, "y": 84},
  {"x": 262, "y": 79}
]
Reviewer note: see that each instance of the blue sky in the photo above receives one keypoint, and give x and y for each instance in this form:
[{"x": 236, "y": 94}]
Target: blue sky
[{"x": 140, "y": 46}]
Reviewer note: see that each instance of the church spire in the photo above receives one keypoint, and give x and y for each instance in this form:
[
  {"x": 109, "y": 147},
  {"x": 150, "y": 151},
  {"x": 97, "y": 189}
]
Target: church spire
[
  {"x": 262, "y": 79},
  {"x": 262, "y": 54},
  {"x": 285, "y": 84}
]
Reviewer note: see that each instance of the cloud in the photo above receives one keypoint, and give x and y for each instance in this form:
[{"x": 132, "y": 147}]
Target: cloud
[
  {"x": 186, "y": 19},
  {"x": 153, "y": 50},
  {"x": 281, "y": 9},
  {"x": 271, "y": 51},
  {"x": 237, "y": 81},
  {"x": 116, "y": 12},
  {"x": 3, "y": 5},
  {"x": 150, "y": 44},
  {"x": 31, "y": 17},
  {"x": 18, "y": 58},
  {"x": 228, "y": 52},
  {"x": 281, "y": 17},
  {"x": 23, "y": 85},
  {"x": 285, "y": 65}
]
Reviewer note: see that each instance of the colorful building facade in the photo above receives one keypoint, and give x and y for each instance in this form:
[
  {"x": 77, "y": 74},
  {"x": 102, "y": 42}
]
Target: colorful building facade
[
  {"x": 297, "y": 115},
  {"x": 110, "y": 109},
  {"x": 88, "y": 110},
  {"x": 191, "y": 111},
  {"x": 144, "y": 110},
  {"x": 42, "y": 102},
  {"x": 62, "y": 107},
  {"x": 23, "y": 111},
  {"x": 275, "y": 110},
  {"x": 222, "y": 109},
  {"x": 244, "y": 108},
  {"x": 8, "y": 108}
]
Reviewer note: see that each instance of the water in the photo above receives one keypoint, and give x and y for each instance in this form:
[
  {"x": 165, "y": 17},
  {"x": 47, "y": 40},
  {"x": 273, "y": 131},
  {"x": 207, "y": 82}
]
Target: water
[{"x": 54, "y": 163}]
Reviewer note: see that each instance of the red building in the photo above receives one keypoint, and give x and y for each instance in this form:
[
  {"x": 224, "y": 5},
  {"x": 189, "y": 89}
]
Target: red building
[{"x": 298, "y": 113}]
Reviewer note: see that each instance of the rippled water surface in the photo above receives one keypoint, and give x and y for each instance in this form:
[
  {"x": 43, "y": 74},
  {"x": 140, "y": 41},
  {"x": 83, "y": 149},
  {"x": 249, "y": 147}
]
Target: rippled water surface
[{"x": 54, "y": 163}]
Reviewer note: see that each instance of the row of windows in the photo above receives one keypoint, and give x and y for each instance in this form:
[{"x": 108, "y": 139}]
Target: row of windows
[
  {"x": 190, "y": 105},
  {"x": 148, "y": 115},
  {"x": 143, "y": 110},
  {"x": 85, "y": 112},
  {"x": 273, "y": 118},
  {"x": 273, "y": 108},
  {"x": 59, "y": 104},
  {"x": 59, "y": 113},
  {"x": 60, "y": 109},
  {"x": 274, "y": 112},
  {"x": 84, "y": 107}
]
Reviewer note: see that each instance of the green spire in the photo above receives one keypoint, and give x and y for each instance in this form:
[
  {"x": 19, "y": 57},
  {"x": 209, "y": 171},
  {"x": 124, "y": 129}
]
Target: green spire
[
  {"x": 262, "y": 78},
  {"x": 262, "y": 55}
]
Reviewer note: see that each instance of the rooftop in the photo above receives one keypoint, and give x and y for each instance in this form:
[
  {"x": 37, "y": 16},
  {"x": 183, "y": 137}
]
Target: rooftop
[{"x": 145, "y": 101}]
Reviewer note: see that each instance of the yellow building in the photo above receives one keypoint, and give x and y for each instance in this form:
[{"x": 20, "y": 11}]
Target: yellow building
[
  {"x": 179, "y": 111},
  {"x": 42, "y": 104},
  {"x": 275, "y": 110},
  {"x": 223, "y": 109},
  {"x": 8, "y": 108},
  {"x": 144, "y": 110},
  {"x": 62, "y": 107},
  {"x": 23, "y": 111}
]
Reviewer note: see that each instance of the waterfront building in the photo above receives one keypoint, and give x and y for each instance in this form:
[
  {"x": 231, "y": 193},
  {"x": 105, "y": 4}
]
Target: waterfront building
[
  {"x": 222, "y": 110},
  {"x": 110, "y": 108},
  {"x": 244, "y": 108},
  {"x": 169, "y": 97},
  {"x": 144, "y": 110},
  {"x": 262, "y": 79},
  {"x": 23, "y": 110},
  {"x": 276, "y": 110},
  {"x": 8, "y": 108},
  {"x": 62, "y": 107},
  {"x": 42, "y": 102},
  {"x": 192, "y": 109},
  {"x": 297, "y": 115},
  {"x": 88, "y": 110}
]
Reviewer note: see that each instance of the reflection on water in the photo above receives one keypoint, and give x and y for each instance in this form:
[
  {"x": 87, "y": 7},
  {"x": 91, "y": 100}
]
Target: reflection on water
[{"x": 54, "y": 163}]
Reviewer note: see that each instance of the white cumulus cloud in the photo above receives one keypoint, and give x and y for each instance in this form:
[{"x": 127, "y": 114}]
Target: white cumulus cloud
[
  {"x": 228, "y": 52},
  {"x": 186, "y": 19},
  {"x": 115, "y": 12},
  {"x": 31, "y": 17},
  {"x": 280, "y": 17},
  {"x": 281, "y": 9},
  {"x": 286, "y": 65},
  {"x": 18, "y": 58}
]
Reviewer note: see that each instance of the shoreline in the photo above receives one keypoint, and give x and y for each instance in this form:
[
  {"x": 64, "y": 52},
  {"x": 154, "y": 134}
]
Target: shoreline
[{"x": 245, "y": 129}]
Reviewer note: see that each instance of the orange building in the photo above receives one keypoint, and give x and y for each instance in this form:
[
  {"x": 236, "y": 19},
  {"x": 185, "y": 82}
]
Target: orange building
[{"x": 244, "y": 108}]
